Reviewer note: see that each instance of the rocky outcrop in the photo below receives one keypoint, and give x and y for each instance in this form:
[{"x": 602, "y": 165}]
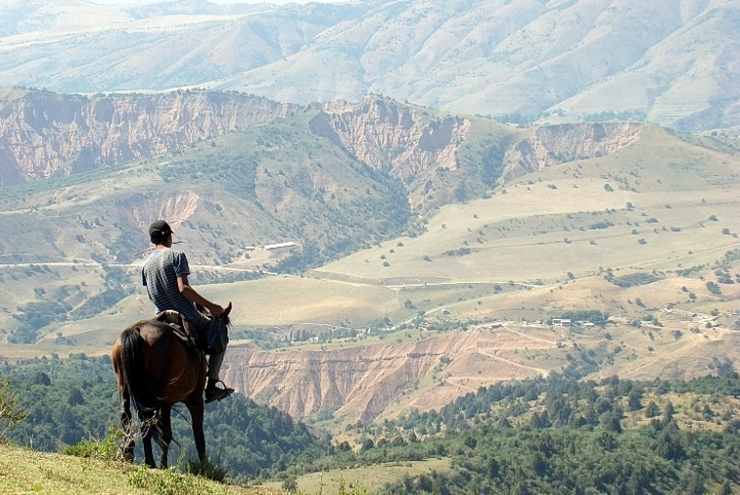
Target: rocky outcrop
[
  {"x": 408, "y": 143},
  {"x": 45, "y": 134},
  {"x": 439, "y": 158},
  {"x": 176, "y": 208},
  {"x": 385, "y": 135},
  {"x": 552, "y": 145}
]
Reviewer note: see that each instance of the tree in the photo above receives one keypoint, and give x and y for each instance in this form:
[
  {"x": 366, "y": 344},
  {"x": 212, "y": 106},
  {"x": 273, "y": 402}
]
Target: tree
[
  {"x": 652, "y": 410},
  {"x": 669, "y": 444},
  {"x": 10, "y": 412},
  {"x": 610, "y": 422},
  {"x": 539, "y": 464},
  {"x": 603, "y": 405},
  {"x": 668, "y": 412},
  {"x": 367, "y": 444},
  {"x": 290, "y": 485}
]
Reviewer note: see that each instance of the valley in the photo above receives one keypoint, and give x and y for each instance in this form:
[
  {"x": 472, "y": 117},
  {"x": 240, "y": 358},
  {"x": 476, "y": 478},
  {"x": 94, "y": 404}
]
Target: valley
[
  {"x": 471, "y": 247},
  {"x": 467, "y": 237}
]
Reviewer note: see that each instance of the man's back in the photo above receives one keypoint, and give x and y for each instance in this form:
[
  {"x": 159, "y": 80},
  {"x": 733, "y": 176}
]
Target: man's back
[{"x": 160, "y": 273}]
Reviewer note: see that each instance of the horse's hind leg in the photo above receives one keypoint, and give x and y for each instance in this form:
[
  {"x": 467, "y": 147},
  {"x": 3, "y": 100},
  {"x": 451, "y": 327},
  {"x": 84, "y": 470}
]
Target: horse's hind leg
[
  {"x": 194, "y": 404},
  {"x": 165, "y": 430},
  {"x": 127, "y": 446},
  {"x": 148, "y": 430}
]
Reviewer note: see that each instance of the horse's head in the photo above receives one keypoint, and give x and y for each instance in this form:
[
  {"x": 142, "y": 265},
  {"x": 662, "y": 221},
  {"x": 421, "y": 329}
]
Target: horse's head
[{"x": 224, "y": 315}]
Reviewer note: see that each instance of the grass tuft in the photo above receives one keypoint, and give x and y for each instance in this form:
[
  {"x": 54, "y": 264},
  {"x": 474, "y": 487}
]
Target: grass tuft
[
  {"x": 172, "y": 482},
  {"x": 206, "y": 469},
  {"x": 104, "y": 450}
]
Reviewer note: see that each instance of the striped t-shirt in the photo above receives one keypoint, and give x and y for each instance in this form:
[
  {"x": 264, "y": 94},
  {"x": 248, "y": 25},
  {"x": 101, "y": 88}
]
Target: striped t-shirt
[{"x": 159, "y": 275}]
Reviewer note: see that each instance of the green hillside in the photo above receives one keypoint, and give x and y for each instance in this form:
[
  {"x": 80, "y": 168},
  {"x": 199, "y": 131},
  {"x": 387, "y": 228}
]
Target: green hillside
[
  {"x": 76, "y": 399},
  {"x": 559, "y": 434}
]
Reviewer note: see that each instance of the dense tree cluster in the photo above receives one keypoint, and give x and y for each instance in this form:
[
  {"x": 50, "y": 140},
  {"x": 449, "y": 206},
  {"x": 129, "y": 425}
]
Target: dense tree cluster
[
  {"x": 560, "y": 434},
  {"x": 69, "y": 400}
]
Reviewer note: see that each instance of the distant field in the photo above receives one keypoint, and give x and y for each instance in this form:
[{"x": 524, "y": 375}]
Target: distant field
[
  {"x": 563, "y": 219},
  {"x": 371, "y": 477}
]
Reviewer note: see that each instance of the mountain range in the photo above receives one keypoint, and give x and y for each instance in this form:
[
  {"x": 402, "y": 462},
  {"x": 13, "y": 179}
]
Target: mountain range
[{"x": 670, "y": 62}]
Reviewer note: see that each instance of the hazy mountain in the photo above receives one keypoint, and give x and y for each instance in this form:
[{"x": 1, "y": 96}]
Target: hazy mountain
[{"x": 670, "y": 62}]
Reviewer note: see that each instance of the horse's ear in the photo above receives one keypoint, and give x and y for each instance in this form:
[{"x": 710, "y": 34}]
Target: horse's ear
[{"x": 227, "y": 310}]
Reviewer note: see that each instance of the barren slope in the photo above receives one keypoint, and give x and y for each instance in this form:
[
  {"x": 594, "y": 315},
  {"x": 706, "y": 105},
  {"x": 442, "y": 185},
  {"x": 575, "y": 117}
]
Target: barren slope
[{"x": 45, "y": 134}]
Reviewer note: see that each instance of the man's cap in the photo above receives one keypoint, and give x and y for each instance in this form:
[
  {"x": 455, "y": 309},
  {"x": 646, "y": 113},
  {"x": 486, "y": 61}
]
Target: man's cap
[{"x": 160, "y": 227}]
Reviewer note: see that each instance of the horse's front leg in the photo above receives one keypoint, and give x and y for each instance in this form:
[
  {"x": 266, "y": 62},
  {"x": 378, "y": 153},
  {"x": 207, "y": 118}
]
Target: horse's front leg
[
  {"x": 195, "y": 406},
  {"x": 165, "y": 428},
  {"x": 127, "y": 445}
]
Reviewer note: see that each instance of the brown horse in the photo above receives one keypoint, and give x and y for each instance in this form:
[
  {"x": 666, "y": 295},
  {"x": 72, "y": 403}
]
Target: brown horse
[{"x": 155, "y": 370}]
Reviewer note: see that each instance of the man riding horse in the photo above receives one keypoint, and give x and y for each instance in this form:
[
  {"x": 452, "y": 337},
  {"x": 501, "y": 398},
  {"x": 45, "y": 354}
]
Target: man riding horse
[{"x": 165, "y": 275}]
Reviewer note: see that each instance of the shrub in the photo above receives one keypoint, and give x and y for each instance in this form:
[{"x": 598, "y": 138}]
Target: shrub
[
  {"x": 171, "y": 482},
  {"x": 106, "y": 449},
  {"x": 714, "y": 288},
  {"x": 10, "y": 412},
  {"x": 206, "y": 469},
  {"x": 652, "y": 410}
]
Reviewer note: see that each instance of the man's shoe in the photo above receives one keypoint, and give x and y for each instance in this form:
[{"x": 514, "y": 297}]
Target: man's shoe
[{"x": 216, "y": 393}]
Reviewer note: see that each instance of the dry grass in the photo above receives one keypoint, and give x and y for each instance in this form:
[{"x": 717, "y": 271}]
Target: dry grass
[
  {"x": 371, "y": 477},
  {"x": 541, "y": 226},
  {"x": 28, "y": 471}
]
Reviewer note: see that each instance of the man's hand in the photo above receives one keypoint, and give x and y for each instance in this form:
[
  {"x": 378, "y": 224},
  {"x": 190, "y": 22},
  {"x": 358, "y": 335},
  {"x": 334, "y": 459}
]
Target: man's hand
[
  {"x": 216, "y": 310},
  {"x": 192, "y": 295}
]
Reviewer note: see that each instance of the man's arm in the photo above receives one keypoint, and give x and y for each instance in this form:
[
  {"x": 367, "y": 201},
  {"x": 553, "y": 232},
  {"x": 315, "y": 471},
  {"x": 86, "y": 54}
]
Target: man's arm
[{"x": 192, "y": 295}]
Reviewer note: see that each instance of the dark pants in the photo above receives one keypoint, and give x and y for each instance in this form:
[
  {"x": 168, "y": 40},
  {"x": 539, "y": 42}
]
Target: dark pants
[{"x": 199, "y": 324}]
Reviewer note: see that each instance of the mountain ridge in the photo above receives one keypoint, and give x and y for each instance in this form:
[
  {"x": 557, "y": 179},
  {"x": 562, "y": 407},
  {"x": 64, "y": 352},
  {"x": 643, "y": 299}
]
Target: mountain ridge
[{"x": 671, "y": 63}]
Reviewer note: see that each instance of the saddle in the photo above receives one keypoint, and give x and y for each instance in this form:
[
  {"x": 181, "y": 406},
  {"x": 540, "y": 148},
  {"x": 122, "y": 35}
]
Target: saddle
[{"x": 181, "y": 329}]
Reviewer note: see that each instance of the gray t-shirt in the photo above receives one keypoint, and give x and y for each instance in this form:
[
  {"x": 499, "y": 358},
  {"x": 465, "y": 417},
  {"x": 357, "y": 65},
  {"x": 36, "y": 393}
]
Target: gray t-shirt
[{"x": 159, "y": 275}]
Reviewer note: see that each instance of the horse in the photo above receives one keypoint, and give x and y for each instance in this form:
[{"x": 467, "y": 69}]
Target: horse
[{"x": 155, "y": 370}]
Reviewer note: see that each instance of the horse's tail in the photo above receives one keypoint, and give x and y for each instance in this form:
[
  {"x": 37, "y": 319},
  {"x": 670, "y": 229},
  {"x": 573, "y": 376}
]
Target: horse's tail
[{"x": 135, "y": 377}]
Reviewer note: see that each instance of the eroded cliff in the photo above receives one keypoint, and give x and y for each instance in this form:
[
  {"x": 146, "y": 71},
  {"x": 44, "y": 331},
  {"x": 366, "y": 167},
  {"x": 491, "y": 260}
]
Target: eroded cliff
[
  {"x": 551, "y": 145},
  {"x": 361, "y": 383},
  {"x": 45, "y": 134},
  {"x": 407, "y": 142}
]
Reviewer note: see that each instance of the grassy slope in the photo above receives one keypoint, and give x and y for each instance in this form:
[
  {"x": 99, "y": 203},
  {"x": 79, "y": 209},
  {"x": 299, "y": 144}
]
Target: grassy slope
[
  {"x": 370, "y": 477},
  {"x": 27, "y": 471},
  {"x": 521, "y": 235}
]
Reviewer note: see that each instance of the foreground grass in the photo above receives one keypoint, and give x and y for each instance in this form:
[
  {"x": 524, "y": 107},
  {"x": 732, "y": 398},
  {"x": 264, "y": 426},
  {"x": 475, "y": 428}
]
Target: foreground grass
[{"x": 27, "y": 471}]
